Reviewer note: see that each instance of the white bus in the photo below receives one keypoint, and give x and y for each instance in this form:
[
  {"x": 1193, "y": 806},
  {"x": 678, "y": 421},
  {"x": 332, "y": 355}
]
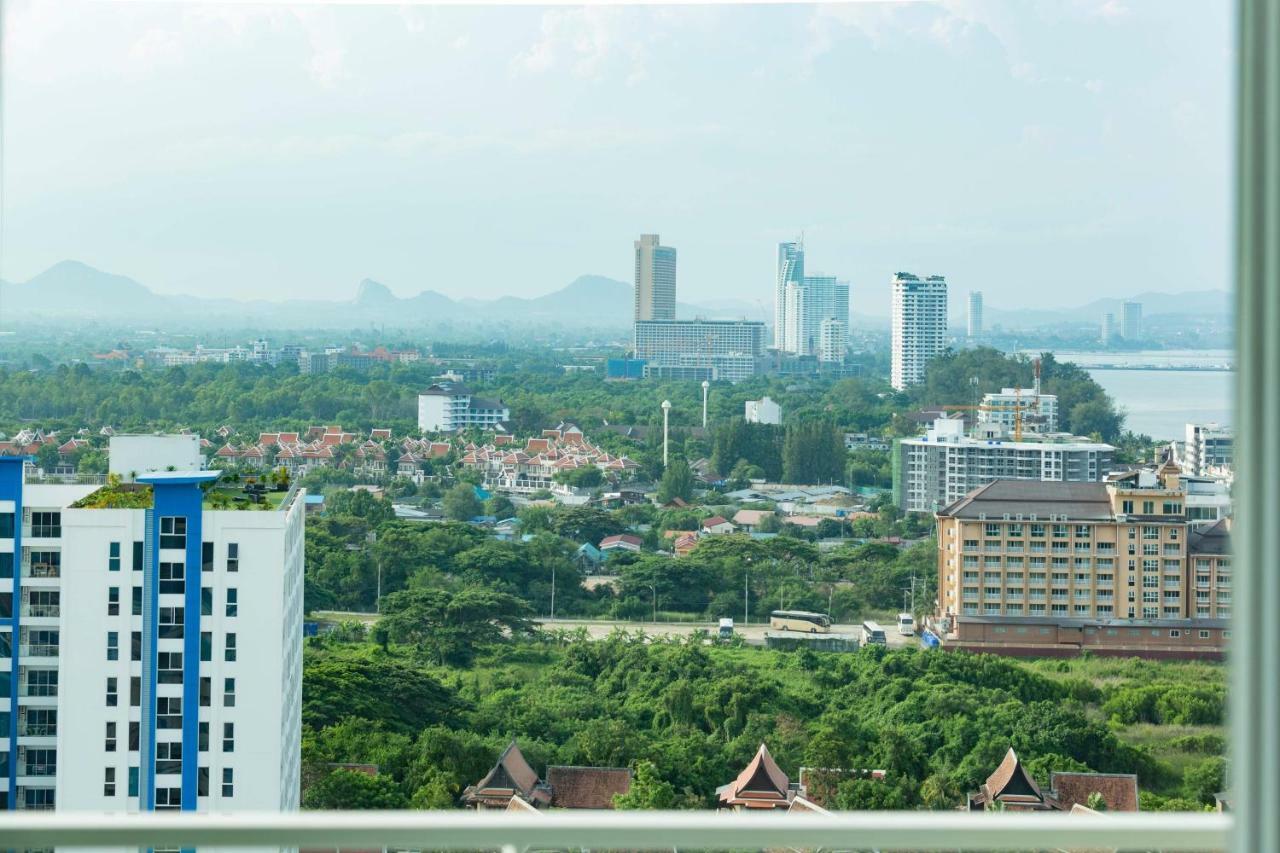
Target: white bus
[
  {"x": 800, "y": 620},
  {"x": 873, "y": 635},
  {"x": 906, "y": 625}
]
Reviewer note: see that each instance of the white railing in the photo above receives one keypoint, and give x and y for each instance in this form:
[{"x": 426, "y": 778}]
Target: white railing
[{"x": 638, "y": 830}]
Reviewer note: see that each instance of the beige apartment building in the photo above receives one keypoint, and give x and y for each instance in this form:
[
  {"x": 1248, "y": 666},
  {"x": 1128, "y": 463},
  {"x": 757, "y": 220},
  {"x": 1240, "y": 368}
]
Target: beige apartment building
[{"x": 1052, "y": 568}]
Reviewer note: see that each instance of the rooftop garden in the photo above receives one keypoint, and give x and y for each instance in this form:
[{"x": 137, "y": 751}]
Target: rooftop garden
[{"x": 221, "y": 495}]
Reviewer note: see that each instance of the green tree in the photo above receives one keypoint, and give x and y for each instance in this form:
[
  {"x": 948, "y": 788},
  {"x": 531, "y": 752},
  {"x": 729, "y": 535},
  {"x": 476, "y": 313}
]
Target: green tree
[
  {"x": 648, "y": 790},
  {"x": 460, "y": 503},
  {"x": 350, "y": 789},
  {"x": 452, "y": 626},
  {"x": 1202, "y": 781},
  {"x": 677, "y": 482}
]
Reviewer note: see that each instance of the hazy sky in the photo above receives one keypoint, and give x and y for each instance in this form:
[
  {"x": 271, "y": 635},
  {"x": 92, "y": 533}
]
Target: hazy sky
[{"x": 1046, "y": 153}]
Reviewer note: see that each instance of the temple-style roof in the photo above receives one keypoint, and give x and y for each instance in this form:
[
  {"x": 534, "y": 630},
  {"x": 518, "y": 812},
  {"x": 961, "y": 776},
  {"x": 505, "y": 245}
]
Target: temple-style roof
[
  {"x": 1013, "y": 786},
  {"x": 1119, "y": 790},
  {"x": 512, "y": 775},
  {"x": 761, "y": 785}
]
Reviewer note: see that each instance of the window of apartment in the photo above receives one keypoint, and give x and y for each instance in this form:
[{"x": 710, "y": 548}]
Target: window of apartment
[
  {"x": 169, "y": 666},
  {"x": 202, "y": 781},
  {"x": 113, "y": 697},
  {"x": 172, "y": 578},
  {"x": 110, "y": 744},
  {"x": 233, "y": 556},
  {"x": 206, "y": 601},
  {"x": 1059, "y": 531},
  {"x": 1151, "y": 550},
  {"x": 135, "y": 735},
  {"x": 113, "y": 601},
  {"x": 138, "y": 551},
  {"x": 1174, "y": 633},
  {"x": 168, "y": 757},
  {"x": 1150, "y": 531},
  {"x": 1204, "y": 635},
  {"x": 173, "y": 531},
  {"x": 206, "y": 646},
  {"x": 109, "y": 782},
  {"x": 113, "y": 645},
  {"x": 233, "y": 606},
  {"x": 202, "y": 737},
  {"x": 135, "y": 691},
  {"x": 206, "y": 691},
  {"x": 46, "y": 525},
  {"x": 136, "y": 603},
  {"x": 171, "y": 623},
  {"x": 228, "y": 693},
  {"x": 133, "y": 781},
  {"x": 991, "y": 530},
  {"x": 206, "y": 556},
  {"x": 1037, "y": 531},
  {"x": 169, "y": 712},
  {"x": 1126, "y": 507},
  {"x": 228, "y": 737},
  {"x": 1148, "y": 507},
  {"x": 113, "y": 557},
  {"x": 1015, "y": 531},
  {"x": 230, "y": 653},
  {"x": 6, "y": 525},
  {"x": 228, "y": 786},
  {"x": 1083, "y": 531},
  {"x": 1172, "y": 508},
  {"x": 135, "y": 646},
  {"x": 168, "y": 799}
]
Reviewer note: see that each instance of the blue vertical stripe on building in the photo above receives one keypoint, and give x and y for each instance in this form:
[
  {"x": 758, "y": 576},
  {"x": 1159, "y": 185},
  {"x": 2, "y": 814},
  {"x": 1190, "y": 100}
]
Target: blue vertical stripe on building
[
  {"x": 179, "y": 495},
  {"x": 11, "y": 474}
]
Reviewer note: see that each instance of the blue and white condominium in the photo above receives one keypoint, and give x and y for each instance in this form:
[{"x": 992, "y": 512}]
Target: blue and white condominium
[{"x": 150, "y": 656}]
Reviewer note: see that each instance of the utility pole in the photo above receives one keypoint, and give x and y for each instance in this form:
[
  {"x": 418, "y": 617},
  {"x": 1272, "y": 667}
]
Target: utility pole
[
  {"x": 705, "y": 387},
  {"x": 666, "y": 415}
]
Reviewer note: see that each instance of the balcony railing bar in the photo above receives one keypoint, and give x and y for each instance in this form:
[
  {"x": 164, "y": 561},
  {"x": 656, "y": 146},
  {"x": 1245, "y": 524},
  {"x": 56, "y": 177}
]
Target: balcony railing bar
[{"x": 638, "y": 830}]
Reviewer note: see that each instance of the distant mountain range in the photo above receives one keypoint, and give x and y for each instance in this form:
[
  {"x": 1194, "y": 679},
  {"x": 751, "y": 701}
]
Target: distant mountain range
[{"x": 76, "y": 292}]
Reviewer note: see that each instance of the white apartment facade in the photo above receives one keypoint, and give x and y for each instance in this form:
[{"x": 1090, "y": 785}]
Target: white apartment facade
[
  {"x": 446, "y": 407},
  {"x": 154, "y": 654},
  {"x": 1208, "y": 450},
  {"x": 975, "y": 314},
  {"x": 919, "y": 326},
  {"x": 790, "y": 269},
  {"x": 762, "y": 411},
  {"x": 944, "y": 465},
  {"x": 816, "y": 317},
  {"x": 704, "y": 349},
  {"x": 1039, "y": 412}
]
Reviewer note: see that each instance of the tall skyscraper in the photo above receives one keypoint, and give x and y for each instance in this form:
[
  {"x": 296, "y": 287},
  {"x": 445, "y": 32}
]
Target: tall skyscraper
[
  {"x": 790, "y": 268},
  {"x": 1131, "y": 321},
  {"x": 809, "y": 303},
  {"x": 165, "y": 673},
  {"x": 1108, "y": 328},
  {"x": 655, "y": 279},
  {"x": 975, "y": 314},
  {"x": 919, "y": 325}
]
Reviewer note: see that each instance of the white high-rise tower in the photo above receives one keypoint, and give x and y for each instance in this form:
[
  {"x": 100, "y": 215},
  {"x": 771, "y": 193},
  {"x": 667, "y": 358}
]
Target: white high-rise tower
[
  {"x": 790, "y": 269},
  {"x": 975, "y": 314},
  {"x": 919, "y": 325},
  {"x": 655, "y": 295}
]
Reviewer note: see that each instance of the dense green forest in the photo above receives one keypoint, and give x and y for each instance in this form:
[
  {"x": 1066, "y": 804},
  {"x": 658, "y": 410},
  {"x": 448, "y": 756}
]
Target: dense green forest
[
  {"x": 937, "y": 723},
  {"x": 358, "y": 538}
]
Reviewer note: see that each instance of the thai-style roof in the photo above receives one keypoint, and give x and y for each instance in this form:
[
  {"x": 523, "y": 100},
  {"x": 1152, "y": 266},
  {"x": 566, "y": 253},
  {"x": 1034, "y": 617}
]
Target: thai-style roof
[
  {"x": 510, "y": 776},
  {"x": 1119, "y": 790},
  {"x": 761, "y": 784}
]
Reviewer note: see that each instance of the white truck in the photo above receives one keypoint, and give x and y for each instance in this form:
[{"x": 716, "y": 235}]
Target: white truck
[{"x": 726, "y": 629}]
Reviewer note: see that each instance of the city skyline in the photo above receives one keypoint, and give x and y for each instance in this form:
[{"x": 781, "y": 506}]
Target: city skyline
[{"x": 570, "y": 145}]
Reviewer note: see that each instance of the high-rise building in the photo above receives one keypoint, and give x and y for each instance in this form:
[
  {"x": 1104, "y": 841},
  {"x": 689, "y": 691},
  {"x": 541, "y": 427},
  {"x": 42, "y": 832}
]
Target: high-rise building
[
  {"x": 447, "y": 407},
  {"x": 809, "y": 303},
  {"x": 700, "y": 349},
  {"x": 975, "y": 314},
  {"x": 1115, "y": 567},
  {"x": 790, "y": 268},
  {"x": 1108, "y": 328},
  {"x": 919, "y": 325},
  {"x": 944, "y": 464},
  {"x": 1020, "y": 409},
  {"x": 762, "y": 411},
  {"x": 1131, "y": 321},
  {"x": 655, "y": 279},
  {"x": 1209, "y": 449},
  {"x": 153, "y": 645}
]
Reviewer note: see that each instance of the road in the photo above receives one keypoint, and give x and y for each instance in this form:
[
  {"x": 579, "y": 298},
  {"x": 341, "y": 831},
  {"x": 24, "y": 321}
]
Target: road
[{"x": 598, "y": 629}]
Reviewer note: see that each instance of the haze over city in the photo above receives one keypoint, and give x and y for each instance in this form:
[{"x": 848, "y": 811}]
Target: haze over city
[{"x": 1044, "y": 154}]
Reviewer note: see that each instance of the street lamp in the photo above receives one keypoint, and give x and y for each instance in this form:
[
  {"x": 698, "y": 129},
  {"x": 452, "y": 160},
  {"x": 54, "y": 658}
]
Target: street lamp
[
  {"x": 666, "y": 418},
  {"x": 705, "y": 387}
]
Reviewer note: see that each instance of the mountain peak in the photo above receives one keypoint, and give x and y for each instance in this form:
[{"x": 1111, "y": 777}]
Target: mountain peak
[{"x": 371, "y": 292}]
